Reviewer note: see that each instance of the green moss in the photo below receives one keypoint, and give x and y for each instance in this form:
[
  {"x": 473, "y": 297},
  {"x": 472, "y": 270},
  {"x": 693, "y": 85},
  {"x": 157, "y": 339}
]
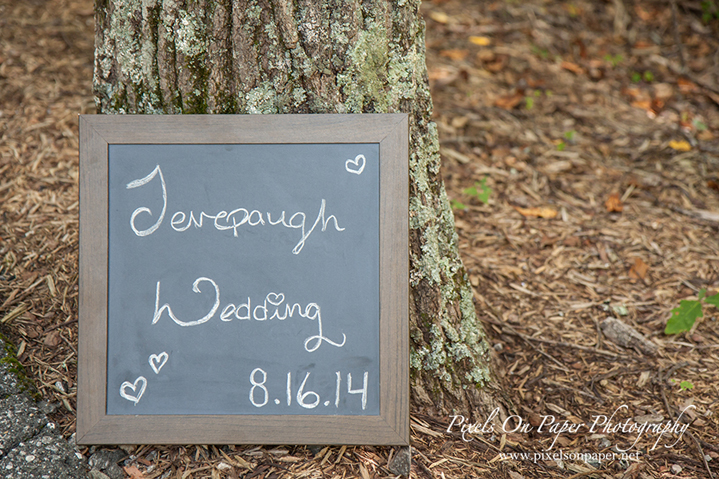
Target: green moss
[
  {"x": 190, "y": 36},
  {"x": 126, "y": 39},
  {"x": 415, "y": 359},
  {"x": 365, "y": 82},
  {"x": 224, "y": 102},
  {"x": 253, "y": 14},
  {"x": 191, "y": 42},
  {"x": 16, "y": 368},
  {"x": 299, "y": 96},
  {"x": 118, "y": 100},
  {"x": 458, "y": 339},
  {"x": 151, "y": 98},
  {"x": 261, "y": 99}
]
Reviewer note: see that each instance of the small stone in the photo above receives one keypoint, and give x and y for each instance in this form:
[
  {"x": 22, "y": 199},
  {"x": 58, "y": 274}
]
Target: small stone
[
  {"x": 626, "y": 336},
  {"x": 105, "y": 458},
  {"x": 107, "y": 462},
  {"x": 29, "y": 458},
  {"x": 95, "y": 474},
  {"x": 127, "y": 448},
  {"x": 314, "y": 449},
  {"x": 47, "y": 407},
  {"x": 401, "y": 462},
  {"x": 676, "y": 469}
]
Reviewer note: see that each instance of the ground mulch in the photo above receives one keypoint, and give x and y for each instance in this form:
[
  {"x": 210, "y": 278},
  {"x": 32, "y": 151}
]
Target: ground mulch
[{"x": 593, "y": 130}]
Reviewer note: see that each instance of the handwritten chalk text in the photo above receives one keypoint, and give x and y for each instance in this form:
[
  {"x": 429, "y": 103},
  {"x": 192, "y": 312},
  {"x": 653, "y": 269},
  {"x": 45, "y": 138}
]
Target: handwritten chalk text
[
  {"x": 272, "y": 307},
  {"x": 225, "y": 220}
]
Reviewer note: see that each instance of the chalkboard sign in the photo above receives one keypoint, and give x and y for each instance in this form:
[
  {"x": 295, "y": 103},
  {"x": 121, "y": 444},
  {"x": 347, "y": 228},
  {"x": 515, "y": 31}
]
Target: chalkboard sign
[{"x": 243, "y": 279}]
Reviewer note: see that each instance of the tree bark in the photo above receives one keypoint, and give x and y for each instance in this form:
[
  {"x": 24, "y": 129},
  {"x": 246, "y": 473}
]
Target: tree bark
[{"x": 304, "y": 56}]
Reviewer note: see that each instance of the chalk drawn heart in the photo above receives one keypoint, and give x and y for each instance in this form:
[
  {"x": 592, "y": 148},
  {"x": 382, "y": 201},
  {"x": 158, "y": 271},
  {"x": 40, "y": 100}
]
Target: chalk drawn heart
[
  {"x": 138, "y": 394},
  {"x": 356, "y": 166},
  {"x": 158, "y": 360},
  {"x": 275, "y": 299}
]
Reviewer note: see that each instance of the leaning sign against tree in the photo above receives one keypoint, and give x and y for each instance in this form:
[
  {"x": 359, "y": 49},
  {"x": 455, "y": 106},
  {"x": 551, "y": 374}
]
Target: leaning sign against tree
[{"x": 236, "y": 57}]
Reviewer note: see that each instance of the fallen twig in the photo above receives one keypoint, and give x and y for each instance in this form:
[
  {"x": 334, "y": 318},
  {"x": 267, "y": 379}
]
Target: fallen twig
[
  {"x": 513, "y": 331},
  {"x": 61, "y": 325},
  {"x": 527, "y": 340}
]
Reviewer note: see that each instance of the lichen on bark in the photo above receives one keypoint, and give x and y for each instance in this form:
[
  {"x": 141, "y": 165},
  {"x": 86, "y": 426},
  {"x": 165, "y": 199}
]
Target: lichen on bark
[{"x": 303, "y": 56}]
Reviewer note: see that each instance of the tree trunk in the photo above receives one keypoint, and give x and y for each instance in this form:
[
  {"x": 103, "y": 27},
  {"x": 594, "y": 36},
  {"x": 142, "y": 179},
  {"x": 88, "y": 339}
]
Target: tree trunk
[{"x": 304, "y": 56}]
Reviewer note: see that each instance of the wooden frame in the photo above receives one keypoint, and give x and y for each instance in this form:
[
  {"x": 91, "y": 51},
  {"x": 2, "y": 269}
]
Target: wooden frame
[{"x": 390, "y": 427}]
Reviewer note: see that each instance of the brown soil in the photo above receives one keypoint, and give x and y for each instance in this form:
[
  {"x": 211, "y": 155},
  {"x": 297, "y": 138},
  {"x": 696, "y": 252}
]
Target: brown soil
[{"x": 596, "y": 126}]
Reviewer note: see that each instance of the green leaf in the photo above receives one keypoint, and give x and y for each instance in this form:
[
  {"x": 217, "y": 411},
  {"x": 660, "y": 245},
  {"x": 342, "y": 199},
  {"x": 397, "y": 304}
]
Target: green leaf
[
  {"x": 480, "y": 190},
  {"x": 457, "y": 205},
  {"x": 713, "y": 300},
  {"x": 684, "y": 317},
  {"x": 614, "y": 59},
  {"x": 702, "y": 293},
  {"x": 483, "y": 196},
  {"x": 699, "y": 125},
  {"x": 686, "y": 385}
]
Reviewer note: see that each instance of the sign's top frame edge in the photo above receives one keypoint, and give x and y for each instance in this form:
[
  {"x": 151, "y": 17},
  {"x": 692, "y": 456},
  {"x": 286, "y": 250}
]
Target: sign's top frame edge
[{"x": 244, "y": 128}]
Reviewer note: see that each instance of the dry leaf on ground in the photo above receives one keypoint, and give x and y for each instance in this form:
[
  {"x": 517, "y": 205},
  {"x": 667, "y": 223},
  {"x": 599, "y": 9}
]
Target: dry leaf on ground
[
  {"x": 509, "y": 102},
  {"x": 639, "y": 269},
  {"x": 455, "y": 54},
  {"x": 544, "y": 212},
  {"x": 133, "y": 472},
  {"x": 481, "y": 41},
  {"x": 681, "y": 145},
  {"x": 53, "y": 339},
  {"x": 614, "y": 203},
  {"x": 439, "y": 17},
  {"x": 572, "y": 67}
]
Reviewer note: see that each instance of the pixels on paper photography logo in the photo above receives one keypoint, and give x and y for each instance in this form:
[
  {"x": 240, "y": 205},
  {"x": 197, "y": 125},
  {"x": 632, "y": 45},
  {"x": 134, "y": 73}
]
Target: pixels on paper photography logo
[{"x": 628, "y": 432}]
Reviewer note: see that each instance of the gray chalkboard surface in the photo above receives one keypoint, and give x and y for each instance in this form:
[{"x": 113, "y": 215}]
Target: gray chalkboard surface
[{"x": 243, "y": 279}]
